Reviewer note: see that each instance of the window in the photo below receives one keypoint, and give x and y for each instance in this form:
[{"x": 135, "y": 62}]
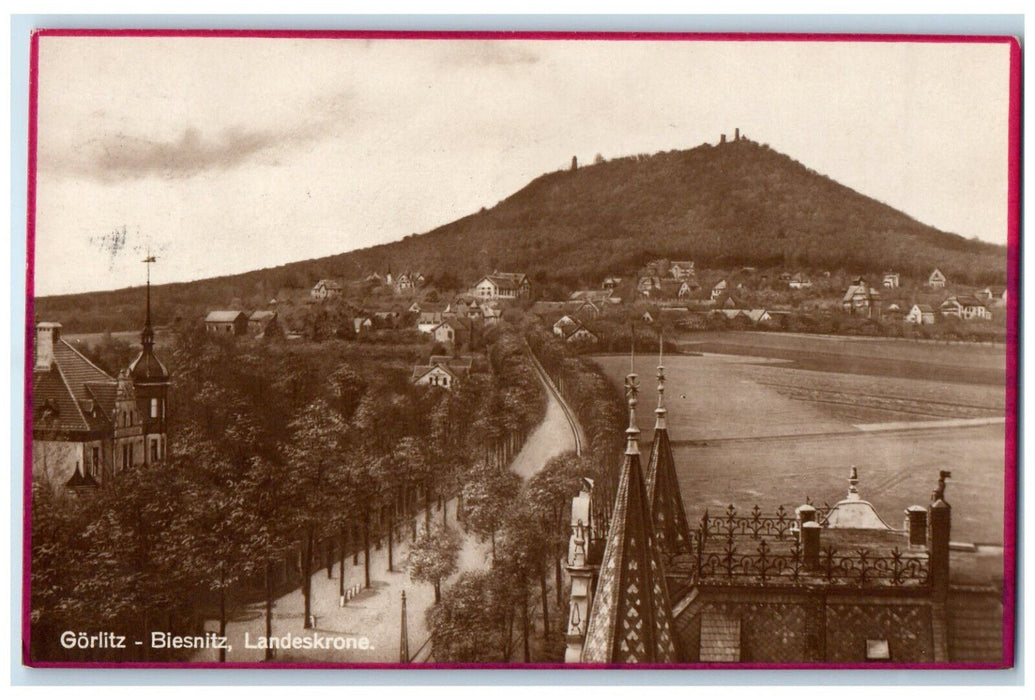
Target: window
[
  {"x": 154, "y": 408},
  {"x": 154, "y": 450},
  {"x": 95, "y": 467},
  {"x": 125, "y": 455}
]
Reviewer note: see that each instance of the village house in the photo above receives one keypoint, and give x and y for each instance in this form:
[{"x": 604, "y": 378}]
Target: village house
[
  {"x": 610, "y": 283},
  {"x": 965, "y": 307},
  {"x": 446, "y": 332},
  {"x": 597, "y": 296},
  {"x": 584, "y": 307},
  {"x": 860, "y": 299},
  {"x": 263, "y": 324},
  {"x": 406, "y": 282},
  {"x": 718, "y": 290},
  {"x": 362, "y": 324},
  {"x": 564, "y": 323},
  {"x": 682, "y": 269},
  {"x": 668, "y": 289},
  {"x": 502, "y": 285},
  {"x": 890, "y": 280},
  {"x": 429, "y": 320},
  {"x": 490, "y": 315},
  {"x": 442, "y": 371},
  {"x": 812, "y": 585},
  {"x": 921, "y": 315},
  {"x": 936, "y": 280},
  {"x": 992, "y": 296},
  {"x": 800, "y": 281},
  {"x": 226, "y": 323},
  {"x": 326, "y": 289},
  {"x": 758, "y": 315},
  {"x": 580, "y": 335},
  {"x": 688, "y": 288},
  {"x": 648, "y": 285}
]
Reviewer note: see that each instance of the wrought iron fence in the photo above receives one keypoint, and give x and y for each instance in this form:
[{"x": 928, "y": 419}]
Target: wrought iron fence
[{"x": 731, "y": 565}]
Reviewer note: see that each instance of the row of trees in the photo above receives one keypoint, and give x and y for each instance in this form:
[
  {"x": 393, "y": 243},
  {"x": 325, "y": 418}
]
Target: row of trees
[
  {"x": 278, "y": 454},
  {"x": 489, "y": 615}
]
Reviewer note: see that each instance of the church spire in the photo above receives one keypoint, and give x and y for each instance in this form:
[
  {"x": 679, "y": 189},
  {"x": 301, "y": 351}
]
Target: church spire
[
  {"x": 630, "y": 619},
  {"x": 147, "y": 336},
  {"x": 668, "y": 516}
]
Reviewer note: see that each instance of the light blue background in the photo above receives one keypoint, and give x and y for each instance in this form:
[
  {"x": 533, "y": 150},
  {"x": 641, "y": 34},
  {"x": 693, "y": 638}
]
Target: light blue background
[{"x": 21, "y": 27}]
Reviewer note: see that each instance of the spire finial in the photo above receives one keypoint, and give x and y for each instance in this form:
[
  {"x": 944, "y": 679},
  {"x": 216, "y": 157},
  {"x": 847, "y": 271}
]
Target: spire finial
[
  {"x": 632, "y": 433},
  {"x": 659, "y": 423},
  {"x": 147, "y": 337},
  {"x": 853, "y": 482}
]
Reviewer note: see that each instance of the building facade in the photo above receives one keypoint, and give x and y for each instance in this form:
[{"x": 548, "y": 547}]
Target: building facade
[{"x": 87, "y": 426}]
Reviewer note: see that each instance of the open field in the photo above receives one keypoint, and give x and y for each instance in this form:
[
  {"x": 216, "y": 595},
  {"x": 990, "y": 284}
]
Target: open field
[
  {"x": 943, "y": 362},
  {"x": 752, "y": 431}
]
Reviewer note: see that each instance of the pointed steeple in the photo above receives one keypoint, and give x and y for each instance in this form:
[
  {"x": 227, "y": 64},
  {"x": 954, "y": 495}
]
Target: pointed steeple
[
  {"x": 668, "y": 516},
  {"x": 631, "y": 619},
  {"x": 147, "y": 336},
  {"x": 147, "y": 367}
]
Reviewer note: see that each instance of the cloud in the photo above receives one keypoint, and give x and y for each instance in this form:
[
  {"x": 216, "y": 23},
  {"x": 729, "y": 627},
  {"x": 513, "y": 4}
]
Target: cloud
[{"x": 119, "y": 156}]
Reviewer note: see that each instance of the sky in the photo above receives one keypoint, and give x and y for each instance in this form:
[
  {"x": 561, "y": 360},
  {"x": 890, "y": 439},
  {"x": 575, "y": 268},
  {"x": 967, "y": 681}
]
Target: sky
[{"x": 224, "y": 155}]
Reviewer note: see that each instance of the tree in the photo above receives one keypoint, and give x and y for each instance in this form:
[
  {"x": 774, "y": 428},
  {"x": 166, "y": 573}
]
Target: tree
[
  {"x": 434, "y": 557},
  {"x": 315, "y": 456},
  {"x": 548, "y": 494},
  {"x": 474, "y": 622},
  {"x": 487, "y": 497}
]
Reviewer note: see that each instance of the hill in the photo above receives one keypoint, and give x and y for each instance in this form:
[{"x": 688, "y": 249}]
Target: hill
[{"x": 735, "y": 204}]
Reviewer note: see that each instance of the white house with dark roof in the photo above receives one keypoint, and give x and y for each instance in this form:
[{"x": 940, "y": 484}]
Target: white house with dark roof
[
  {"x": 966, "y": 308},
  {"x": 326, "y": 289},
  {"x": 936, "y": 280},
  {"x": 921, "y": 315},
  {"x": 502, "y": 285}
]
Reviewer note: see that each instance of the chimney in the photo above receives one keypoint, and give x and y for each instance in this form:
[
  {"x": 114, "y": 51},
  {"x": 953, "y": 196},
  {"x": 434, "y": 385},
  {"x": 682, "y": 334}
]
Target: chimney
[
  {"x": 46, "y": 335},
  {"x": 736, "y": 134},
  {"x": 805, "y": 514},
  {"x": 940, "y": 515},
  {"x": 722, "y": 138},
  {"x": 916, "y": 526},
  {"x": 810, "y": 543}
]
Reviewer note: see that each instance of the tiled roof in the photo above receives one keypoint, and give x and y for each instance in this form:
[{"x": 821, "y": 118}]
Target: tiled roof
[
  {"x": 671, "y": 527},
  {"x": 720, "y": 637},
  {"x": 148, "y": 366},
  {"x": 975, "y": 621},
  {"x": 62, "y": 392},
  {"x": 631, "y": 619},
  {"x": 223, "y": 316},
  {"x": 507, "y": 279}
]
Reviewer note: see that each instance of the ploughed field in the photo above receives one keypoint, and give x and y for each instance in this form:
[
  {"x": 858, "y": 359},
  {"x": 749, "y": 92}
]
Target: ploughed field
[
  {"x": 954, "y": 362},
  {"x": 755, "y": 430}
]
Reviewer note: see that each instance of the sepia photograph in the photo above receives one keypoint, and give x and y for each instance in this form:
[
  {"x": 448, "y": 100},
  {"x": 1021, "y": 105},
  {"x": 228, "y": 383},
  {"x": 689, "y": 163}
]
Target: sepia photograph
[{"x": 521, "y": 350}]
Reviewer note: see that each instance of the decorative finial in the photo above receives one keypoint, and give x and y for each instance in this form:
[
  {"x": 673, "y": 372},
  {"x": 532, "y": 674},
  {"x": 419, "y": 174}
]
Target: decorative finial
[
  {"x": 632, "y": 389},
  {"x": 853, "y": 482},
  {"x": 659, "y": 423},
  {"x": 147, "y": 337},
  {"x": 939, "y": 494}
]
